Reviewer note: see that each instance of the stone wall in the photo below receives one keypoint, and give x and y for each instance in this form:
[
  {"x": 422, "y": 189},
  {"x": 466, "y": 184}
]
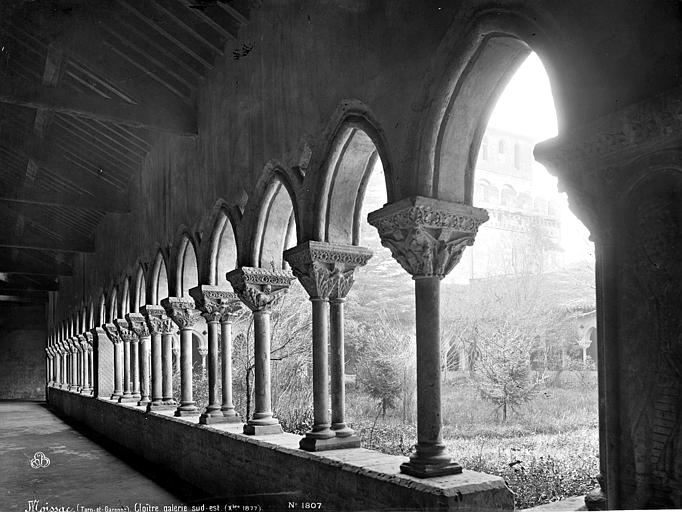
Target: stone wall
[
  {"x": 226, "y": 463},
  {"x": 22, "y": 343}
]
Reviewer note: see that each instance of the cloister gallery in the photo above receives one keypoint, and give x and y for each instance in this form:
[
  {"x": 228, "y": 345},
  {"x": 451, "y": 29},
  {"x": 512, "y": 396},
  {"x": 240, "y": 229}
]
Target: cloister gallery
[{"x": 167, "y": 165}]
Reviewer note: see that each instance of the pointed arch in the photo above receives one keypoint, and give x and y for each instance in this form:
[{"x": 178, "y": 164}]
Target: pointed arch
[
  {"x": 187, "y": 266},
  {"x": 474, "y": 64},
  {"x": 102, "y": 310},
  {"x": 356, "y": 145},
  {"x": 112, "y": 311},
  {"x": 91, "y": 314},
  {"x": 125, "y": 297},
  {"x": 273, "y": 218},
  {"x": 139, "y": 290},
  {"x": 159, "y": 280},
  {"x": 221, "y": 255}
]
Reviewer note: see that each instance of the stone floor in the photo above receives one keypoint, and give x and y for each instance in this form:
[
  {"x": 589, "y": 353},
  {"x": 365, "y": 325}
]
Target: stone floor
[{"x": 83, "y": 470}]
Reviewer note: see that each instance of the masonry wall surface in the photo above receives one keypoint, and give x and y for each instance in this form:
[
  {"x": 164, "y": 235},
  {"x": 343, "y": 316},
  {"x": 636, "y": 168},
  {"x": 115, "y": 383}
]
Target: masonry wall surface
[
  {"x": 22, "y": 343},
  {"x": 228, "y": 464}
]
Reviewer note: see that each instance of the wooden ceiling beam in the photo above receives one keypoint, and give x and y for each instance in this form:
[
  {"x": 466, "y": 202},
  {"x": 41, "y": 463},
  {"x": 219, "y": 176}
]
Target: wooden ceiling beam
[
  {"x": 47, "y": 157},
  {"x": 177, "y": 119},
  {"x": 105, "y": 203},
  {"x": 40, "y": 241}
]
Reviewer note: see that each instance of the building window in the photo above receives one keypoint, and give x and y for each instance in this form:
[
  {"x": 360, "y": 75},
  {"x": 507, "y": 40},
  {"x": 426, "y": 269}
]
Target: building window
[
  {"x": 500, "y": 147},
  {"x": 484, "y": 148}
]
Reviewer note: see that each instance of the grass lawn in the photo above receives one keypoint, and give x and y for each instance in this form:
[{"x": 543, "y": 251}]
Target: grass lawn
[{"x": 546, "y": 451}]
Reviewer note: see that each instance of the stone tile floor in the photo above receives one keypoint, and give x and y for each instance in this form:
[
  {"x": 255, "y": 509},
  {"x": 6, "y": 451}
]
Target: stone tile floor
[{"x": 81, "y": 472}]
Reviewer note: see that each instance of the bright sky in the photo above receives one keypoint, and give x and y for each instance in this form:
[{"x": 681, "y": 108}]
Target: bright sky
[{"x": 526, "y": 107}]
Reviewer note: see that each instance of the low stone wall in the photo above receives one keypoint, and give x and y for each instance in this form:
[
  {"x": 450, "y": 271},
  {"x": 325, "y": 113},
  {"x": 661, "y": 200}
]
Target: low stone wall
[{"x": 226, "y": 463}]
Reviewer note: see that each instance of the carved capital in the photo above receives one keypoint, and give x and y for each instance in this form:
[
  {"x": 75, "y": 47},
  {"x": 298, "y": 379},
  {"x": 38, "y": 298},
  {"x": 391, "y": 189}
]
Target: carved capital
[
  {"x": 427, "y": 236},
  {"x": 157, "y": 320},
  {"x": 217, "y": 303},
  {"x": 324, "y": 269},
  {"x": 81, "y": 342},
  {"x": 48, "y": 351},
  {"x": 138, "y": 325},
  {"x": 182, "y": 311},
  {"x": 258, "y": 288},
  {"x": 125, "y": 332},
  {"x": 89, "y": 338},
  {"x": 112, "y": 333}
]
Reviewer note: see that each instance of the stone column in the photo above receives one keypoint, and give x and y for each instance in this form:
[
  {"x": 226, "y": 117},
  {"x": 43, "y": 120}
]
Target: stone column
[
  {"x": 181, "y": 310},
  {"x": 57, "y": 364},
  {"x": 155, "y": 317},
  {"x": 258, "y": 288},
  {"x": 135, "y": 367},
  {"x": 65, "y": 365},
  {"x": 73, "y": 350},
  {"x": 112, "y": 333},
  {"x": 169, "y": 329},
  {"x": 227, "y": 406},
  {"x": 127, "y": 337},
  {"x": 62, "y": 364},
  {"x": 82, "y": 363},
  {"x": 139, "y": 326},
  {"x": 85, "y": 375},
  {"x": 48, "y": 366},
  {"x": 427, "y": 237},
  {"x": 217, "y": 304},
  {"x": 175, "y": 350},
  {"x": 321, "y": 268},
  {"x": 89, "y": 346}
]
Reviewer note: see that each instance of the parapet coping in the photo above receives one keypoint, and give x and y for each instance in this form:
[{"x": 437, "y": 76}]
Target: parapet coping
[{"x": 360, "y": 461}]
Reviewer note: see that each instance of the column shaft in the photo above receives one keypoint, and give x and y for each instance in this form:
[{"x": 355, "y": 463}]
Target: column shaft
[
  {"x": 157, "y": 369},
  {"x": 213, "y": 407},
  {"x": 431, "y": 457},
  {"x": 226, "y": 355},
  {"x": 86, "y": 373},
  {"x": 143, "y": 361},
  {"x": 167, "y": 362},
  {"x": 186, "y": 406},
  {"x": 135, "y": 365},
  {"x": 127, "y": 395},
  {"x": 262, "y": 420},
  {"x": 118, "y": 371},
  {"x": 338, "y": 372},
  {"x": 321, "y": 400}
]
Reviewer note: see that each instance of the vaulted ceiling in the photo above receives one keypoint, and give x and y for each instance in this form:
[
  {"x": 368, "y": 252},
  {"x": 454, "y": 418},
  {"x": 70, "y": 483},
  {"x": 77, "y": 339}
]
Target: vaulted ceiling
[{"x": 85, "y": 87}]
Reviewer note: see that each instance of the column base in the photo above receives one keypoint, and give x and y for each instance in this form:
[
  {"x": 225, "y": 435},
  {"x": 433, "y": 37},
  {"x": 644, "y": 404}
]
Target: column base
[
  {"x": 144, "y": 402},
  {"x": 137, "y": 396},
  {"x": 160, "y": 406},
  {"x": 211, "y": 419},
  {"x": 426, "y": 470},
  {"x": 115, "y": 396},
  {"x": 311, "y": 444},
  {"x": 232, "y": 417},
  {"x": 127, "y": 399},
  {"x": 86, "y": 391},
  {"x": 341, "y": 430},
  {"x": 262, "y": 430},
  {"x": 185, "y": 410}
]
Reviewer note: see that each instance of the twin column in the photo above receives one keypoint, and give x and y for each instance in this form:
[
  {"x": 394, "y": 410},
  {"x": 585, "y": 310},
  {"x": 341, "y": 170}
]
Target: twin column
[
  {"x": 219, "y": 307},
  {"x": 326, "y": 272},
  {"x": 182, "y": 311}
]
